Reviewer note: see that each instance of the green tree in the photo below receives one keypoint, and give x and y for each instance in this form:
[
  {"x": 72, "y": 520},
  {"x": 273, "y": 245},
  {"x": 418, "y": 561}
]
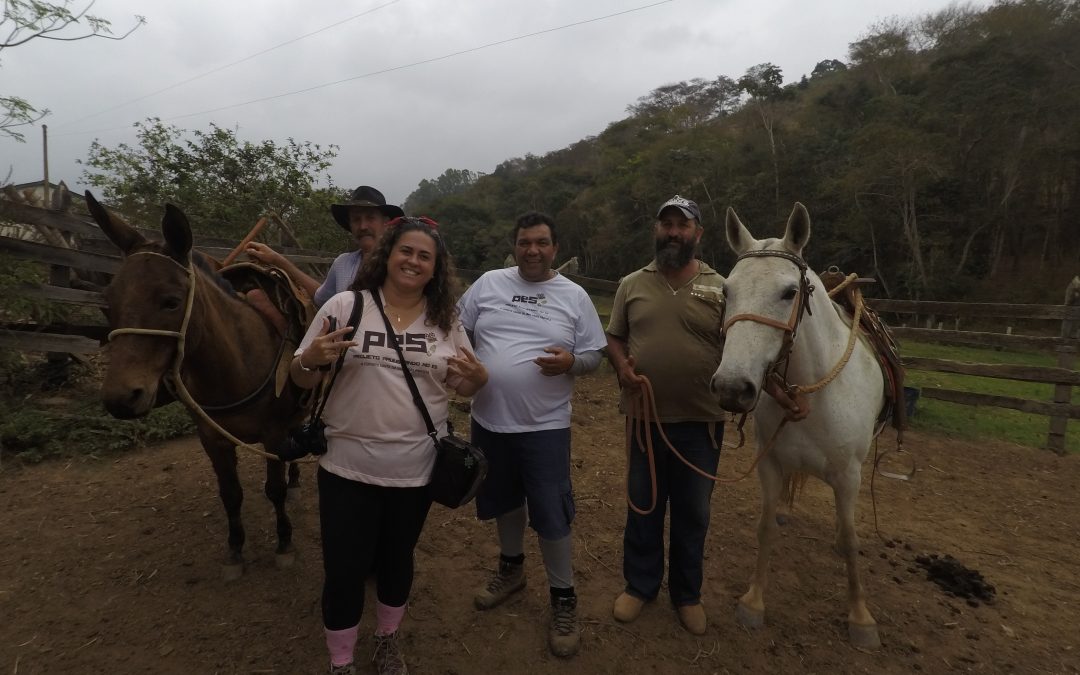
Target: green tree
[
  {"x": 764, "y": 83},
  {"x": 224, "y": 184},
  {"x": 942, "y": 157},
  {"x": 26, "y": 20},
  {"x": 451, "y": 182},
  {"x": 689, "y": 103},
  {"x": 828, "y": 66}
]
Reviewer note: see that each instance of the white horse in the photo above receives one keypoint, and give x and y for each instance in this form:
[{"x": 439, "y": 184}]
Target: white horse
[{"x": 771, "y": 297}]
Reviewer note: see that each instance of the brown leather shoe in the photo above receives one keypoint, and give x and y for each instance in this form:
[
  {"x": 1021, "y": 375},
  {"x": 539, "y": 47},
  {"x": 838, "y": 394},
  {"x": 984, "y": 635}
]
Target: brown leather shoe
[
  {"x": 692, "y": 618},
  {"x": 627, "y": 607}
]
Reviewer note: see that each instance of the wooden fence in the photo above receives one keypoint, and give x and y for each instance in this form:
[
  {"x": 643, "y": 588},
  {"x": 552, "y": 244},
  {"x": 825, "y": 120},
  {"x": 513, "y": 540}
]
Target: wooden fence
[
  {"x": 91, "y": 252},
  {"x": 80, "y": 255},
  {"x": 1064, "y": 343}
]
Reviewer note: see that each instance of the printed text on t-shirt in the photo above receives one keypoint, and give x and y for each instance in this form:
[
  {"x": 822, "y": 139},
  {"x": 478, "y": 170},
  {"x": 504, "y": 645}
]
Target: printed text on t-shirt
[{"x": 410, "y": 342}]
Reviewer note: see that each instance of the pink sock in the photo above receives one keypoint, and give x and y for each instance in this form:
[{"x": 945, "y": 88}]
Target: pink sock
[
  {"x": 388, "y": 618},
  {"x": 340, "y": 644}
]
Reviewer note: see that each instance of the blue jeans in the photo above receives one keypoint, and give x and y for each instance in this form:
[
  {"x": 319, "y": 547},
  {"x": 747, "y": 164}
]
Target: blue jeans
[{"x": 689, "y": 495}]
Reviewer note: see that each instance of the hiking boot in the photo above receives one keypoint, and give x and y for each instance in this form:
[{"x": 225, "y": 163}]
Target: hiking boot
[
  {"x": 627, "y": 607},
  {"x": 348, "y": 669},
  {"x": 563, "y": 636},
  {"x": 388, "y": 658},
  {"x": 692, "y": 618},
  {"x": 508, "y": 580}
]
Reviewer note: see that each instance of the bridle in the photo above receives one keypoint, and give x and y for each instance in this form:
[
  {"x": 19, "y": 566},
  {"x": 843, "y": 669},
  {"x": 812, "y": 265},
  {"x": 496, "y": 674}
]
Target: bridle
[
  {"x": 181, "y": 339},
  {"x": 778, "y": 369},
  {"x": 801, "y": 306},
  {"x": 181, "y": 334},
  {"x": 644, "y": 410},
  {"x": 173, "y": 380}
]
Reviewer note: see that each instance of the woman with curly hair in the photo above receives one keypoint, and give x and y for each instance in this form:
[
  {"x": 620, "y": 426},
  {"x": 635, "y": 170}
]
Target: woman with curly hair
[{"x": 373, "y": 498}]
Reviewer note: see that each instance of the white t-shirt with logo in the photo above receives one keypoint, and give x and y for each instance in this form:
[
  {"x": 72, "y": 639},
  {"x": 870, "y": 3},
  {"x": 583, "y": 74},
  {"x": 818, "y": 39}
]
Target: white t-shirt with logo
[
  {"x": 512, "y": 320},
  {"x": 374, "y": 432}
]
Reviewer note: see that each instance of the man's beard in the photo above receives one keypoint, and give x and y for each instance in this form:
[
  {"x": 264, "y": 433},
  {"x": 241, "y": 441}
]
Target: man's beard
[{"x": 671, "y": 257}]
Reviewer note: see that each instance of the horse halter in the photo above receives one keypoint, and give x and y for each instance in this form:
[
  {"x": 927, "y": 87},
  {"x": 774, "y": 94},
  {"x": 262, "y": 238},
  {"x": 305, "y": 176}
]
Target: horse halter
[
  {"x": 180, "y": 335},
  {"x": 172, "y": 380},
  {"x": 800, "y": 307}
]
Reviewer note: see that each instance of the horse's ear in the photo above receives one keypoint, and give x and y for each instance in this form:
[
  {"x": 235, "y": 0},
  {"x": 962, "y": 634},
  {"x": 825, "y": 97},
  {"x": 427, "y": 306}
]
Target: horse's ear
[
  {"x": 120, "y": 233},
  {"x": 797, "y": 233},
  {"x": 177, "y": 231},
  {"x": 738, "y": 237}
]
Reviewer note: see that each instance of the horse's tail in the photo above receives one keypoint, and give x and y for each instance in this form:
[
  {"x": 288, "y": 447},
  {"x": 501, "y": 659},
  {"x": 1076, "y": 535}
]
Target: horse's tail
[{"x": 793, "y": 485}]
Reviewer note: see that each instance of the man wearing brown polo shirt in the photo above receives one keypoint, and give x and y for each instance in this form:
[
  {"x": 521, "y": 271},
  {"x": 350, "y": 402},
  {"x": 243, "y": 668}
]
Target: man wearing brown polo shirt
[{"x": 665, "y": 326}]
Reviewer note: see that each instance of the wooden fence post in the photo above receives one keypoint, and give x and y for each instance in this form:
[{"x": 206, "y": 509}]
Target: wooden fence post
[
  {"x": 1066, "y": 359},
  {"x": 58, "y": 363}
]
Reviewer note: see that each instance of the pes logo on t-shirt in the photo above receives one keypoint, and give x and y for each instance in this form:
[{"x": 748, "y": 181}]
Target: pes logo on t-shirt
[{"x": 538, "y": 299}]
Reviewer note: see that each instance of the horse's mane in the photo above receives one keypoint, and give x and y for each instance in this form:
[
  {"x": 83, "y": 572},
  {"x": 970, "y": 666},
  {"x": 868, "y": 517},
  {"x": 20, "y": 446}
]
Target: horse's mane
[{"x": 205, "y": 264}]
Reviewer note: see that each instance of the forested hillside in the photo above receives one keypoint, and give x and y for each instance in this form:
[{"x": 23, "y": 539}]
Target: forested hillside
[{"x": 941, "y": 155}]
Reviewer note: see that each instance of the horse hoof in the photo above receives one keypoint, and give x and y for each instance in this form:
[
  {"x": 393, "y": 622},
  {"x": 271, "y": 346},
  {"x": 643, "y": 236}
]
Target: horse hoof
[
  {"x": 285, "y": 560},
  {"x": 232, "y": 571},
  {"x": 749, "y": 618},
  {"x": 864, "y": 636}
]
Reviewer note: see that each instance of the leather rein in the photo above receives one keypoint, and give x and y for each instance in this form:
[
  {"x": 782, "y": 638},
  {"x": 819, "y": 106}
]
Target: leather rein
[
  {"x": 643, "y": 410},
  {"x": 783, "y": 358}
]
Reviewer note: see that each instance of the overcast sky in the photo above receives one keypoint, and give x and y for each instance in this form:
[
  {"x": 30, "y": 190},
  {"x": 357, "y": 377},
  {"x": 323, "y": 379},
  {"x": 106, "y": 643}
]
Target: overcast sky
[{"x": 469, "y": 111}]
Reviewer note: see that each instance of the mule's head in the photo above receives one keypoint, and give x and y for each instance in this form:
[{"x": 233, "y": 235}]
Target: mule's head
[
  {"x": 147, "y": 291},
  {"x": 761, "y": 294}
]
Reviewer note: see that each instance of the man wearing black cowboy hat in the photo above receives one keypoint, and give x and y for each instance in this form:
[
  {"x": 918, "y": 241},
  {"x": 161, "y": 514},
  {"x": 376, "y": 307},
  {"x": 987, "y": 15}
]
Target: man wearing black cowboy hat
[{"x": 365, "y": 216}]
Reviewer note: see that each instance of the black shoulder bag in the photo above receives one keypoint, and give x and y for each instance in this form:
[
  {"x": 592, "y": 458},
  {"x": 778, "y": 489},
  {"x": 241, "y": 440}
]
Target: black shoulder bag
[
  {"x": 460, "y": 466},
  {"x": 310, "y": 437}
]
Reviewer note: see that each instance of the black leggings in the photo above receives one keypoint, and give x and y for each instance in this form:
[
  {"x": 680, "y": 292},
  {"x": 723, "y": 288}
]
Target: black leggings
[{"x": 364, "y": 528}]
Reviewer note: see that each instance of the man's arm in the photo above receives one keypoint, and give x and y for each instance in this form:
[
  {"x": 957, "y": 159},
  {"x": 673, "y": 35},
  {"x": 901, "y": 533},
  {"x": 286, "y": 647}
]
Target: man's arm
[
  {"x": 586, "y": 362},
  {"x": 623, "y": 363},
  {"x": 269, "y": 256}
]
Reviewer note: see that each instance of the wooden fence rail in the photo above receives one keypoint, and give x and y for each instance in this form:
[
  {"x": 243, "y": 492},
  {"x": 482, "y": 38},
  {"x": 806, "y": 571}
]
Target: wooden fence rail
[
  {"x": 81, "y": 245},
  {"x": 1064, "y": 377}
]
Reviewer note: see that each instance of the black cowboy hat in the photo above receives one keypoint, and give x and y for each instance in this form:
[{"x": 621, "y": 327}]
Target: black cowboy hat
[{"x": 365, "y": 195}]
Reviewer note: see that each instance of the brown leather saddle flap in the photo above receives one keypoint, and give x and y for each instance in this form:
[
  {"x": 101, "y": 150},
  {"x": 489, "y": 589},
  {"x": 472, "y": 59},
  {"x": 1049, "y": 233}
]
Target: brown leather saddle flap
[
  {"x": 288, "y": 298},
  {"x": 883, "y": 343}
]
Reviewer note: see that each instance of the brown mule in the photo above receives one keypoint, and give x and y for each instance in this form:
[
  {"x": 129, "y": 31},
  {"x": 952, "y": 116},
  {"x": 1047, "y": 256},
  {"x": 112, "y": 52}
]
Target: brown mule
[{"x": 229, "y": 361}]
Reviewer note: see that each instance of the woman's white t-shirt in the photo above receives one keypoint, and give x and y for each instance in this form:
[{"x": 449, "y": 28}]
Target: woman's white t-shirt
[{"x": 374, "y": 432}]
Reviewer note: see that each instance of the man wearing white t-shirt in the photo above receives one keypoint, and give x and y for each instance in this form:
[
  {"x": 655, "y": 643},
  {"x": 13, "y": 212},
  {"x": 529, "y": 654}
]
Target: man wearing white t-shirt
[{"x": 534, "y": 330}]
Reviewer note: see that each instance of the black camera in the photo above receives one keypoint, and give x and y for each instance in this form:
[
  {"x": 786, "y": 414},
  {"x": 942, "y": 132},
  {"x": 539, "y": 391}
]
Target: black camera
[{"x": 307, "y": 439}]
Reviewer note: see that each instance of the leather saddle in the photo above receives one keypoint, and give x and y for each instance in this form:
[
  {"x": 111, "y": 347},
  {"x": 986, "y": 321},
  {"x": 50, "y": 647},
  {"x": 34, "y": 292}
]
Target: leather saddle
[
  {"x": 282, "y": 303},
  {"x": 882, "y": 342}
]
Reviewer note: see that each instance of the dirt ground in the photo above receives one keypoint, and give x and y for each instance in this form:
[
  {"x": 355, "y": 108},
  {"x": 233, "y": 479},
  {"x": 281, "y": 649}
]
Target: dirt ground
[{"x": 113, "y": 566}]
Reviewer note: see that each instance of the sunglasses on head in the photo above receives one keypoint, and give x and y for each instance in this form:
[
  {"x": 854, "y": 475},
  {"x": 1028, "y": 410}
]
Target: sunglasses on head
[{"x": 424, "y": 220}]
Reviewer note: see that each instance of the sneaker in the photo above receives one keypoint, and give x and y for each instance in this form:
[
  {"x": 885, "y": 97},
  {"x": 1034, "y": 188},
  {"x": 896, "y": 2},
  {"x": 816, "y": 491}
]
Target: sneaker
[
  {"x": 508, "y": 580},
  {"x": 563, "y": 636},
  {"x": 627, "y": 607},
  {"x": 347, "y": 669},
  {"x": 692, "y": 618},
  {"x": 388, "y": 658}
]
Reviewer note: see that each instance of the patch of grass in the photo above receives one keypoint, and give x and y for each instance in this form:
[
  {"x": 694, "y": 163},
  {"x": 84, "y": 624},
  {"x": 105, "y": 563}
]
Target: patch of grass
[
  {"x": 982, "y": 421},
  {"x": 34, "y": 432},
  {"x": 41, "y": 419}
]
